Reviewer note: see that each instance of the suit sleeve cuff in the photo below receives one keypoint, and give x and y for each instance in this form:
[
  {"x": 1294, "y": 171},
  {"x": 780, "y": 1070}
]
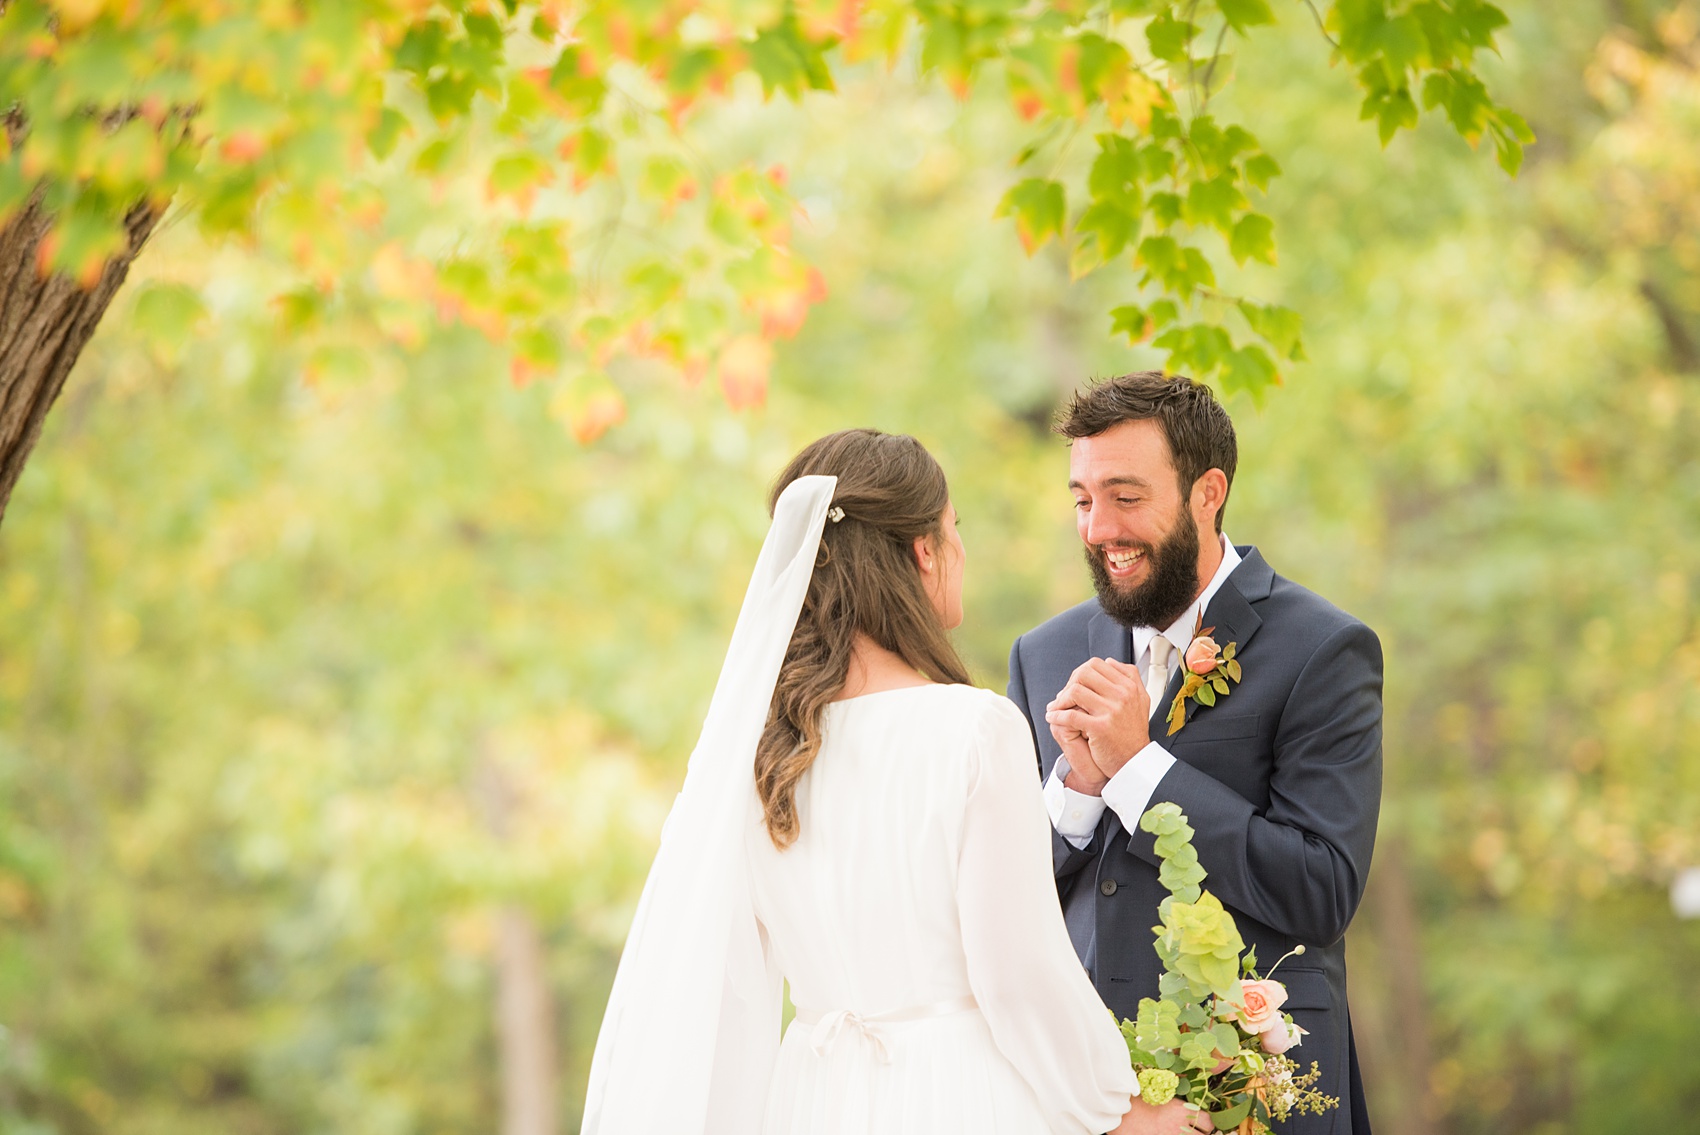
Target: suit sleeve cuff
[
  {"x": 1129, "y": 791},
  {"x": 1075, "y": 815}
]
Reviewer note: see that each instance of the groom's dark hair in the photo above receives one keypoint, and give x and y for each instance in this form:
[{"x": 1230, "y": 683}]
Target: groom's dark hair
[{"x": 1199, "y": 432}]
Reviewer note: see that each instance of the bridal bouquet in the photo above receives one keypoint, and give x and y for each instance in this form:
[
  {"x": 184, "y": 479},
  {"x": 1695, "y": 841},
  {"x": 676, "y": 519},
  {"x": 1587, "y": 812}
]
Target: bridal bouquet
[{"x": 1216, "y": 1037}]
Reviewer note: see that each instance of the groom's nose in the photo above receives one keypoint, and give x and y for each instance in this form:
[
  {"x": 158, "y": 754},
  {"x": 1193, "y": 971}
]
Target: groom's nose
[{"x": 1099, "y": 527}]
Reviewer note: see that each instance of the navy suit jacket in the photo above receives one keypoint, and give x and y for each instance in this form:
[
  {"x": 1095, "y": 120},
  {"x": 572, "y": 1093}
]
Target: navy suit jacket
[{"x": 1281, "y": 781}]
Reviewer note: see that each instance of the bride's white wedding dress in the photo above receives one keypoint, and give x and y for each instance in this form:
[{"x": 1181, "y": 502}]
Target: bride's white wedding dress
[{"x": 916, "y": 920}]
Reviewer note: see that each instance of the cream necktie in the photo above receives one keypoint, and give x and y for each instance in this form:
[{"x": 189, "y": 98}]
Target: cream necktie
[{"x": 1157, "y": 672}]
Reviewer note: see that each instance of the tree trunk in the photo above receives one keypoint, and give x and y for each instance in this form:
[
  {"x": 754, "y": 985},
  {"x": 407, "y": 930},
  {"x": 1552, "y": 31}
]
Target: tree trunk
[
  {"x": 525, "y": 1010},
  {"x": 526, "y": 1027},
  {"x": 1402, "y": 1048},
  {"x": 45, "y": 321}
]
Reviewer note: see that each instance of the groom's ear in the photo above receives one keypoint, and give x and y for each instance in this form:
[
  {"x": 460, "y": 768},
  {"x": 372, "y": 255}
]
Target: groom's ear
[{"x": 1209, "y": 494}]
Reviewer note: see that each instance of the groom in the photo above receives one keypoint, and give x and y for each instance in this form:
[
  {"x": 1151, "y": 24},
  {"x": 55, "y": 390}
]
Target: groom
[{"x": 1281, "y": 780}]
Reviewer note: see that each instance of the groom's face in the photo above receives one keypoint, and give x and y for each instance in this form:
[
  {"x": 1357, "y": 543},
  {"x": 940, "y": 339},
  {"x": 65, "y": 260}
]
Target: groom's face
[{"x": 1141, "y": 538}]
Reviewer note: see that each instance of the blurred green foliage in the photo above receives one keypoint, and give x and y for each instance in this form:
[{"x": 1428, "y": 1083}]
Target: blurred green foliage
[
  {"x": 331, "y": 132},
  {"x": 270, "y": 621}
]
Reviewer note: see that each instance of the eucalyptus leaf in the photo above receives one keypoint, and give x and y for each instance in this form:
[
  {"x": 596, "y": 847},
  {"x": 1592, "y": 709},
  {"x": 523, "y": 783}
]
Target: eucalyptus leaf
[{"x": 1229, "y": 1118}]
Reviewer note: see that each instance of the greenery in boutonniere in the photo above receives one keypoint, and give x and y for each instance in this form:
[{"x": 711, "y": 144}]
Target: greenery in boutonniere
[{"x": 1208, "y": 670}]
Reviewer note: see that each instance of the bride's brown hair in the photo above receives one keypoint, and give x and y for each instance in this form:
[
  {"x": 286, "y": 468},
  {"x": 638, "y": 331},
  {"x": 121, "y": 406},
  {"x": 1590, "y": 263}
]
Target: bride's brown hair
[{"x": 865, "y": 580}]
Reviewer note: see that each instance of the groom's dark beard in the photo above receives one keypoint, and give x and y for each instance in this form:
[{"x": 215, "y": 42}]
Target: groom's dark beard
[{"x": 1167, "y": 591}]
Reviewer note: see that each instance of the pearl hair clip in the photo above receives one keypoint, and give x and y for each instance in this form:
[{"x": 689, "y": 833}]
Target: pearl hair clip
[{"x": 835, "y": 514}]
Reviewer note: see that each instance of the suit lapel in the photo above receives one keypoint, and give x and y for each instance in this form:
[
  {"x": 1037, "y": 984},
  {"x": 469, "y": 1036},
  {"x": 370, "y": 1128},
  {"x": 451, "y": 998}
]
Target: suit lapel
[
  {"x": 1229, "y": 617},
  {"x": 1106, "y": 638},
  {"x": 1230, "y": 610},
  {"x": 1232, "y": 618}
]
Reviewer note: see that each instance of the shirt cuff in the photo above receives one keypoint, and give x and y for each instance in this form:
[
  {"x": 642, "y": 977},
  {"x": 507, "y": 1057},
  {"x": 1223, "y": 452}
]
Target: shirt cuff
[
  {"x": 1075, "y": 815},
  {"x": 1129, "y": 791}
]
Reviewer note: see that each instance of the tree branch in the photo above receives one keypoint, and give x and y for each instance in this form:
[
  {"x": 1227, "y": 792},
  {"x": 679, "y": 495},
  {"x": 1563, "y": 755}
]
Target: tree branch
[
  {"x": 1321, "y": 26},
  {"x": 1684, "y": 350}
]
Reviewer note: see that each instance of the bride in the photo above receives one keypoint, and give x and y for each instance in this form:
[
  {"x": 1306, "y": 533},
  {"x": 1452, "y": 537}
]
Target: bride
[{"x": 859, "y": 821}]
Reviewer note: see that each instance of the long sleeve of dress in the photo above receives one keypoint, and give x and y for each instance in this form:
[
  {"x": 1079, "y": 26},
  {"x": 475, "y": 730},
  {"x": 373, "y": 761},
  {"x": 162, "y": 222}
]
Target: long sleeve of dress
[{"x": 1044, "y": 1014}]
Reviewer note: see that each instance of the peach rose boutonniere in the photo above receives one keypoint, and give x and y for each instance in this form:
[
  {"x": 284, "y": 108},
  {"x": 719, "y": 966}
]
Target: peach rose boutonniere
[{"x": 1209, "y": 669}]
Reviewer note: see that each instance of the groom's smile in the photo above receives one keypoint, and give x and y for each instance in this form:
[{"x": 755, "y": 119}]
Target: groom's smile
[{"x": 1123, "y": 561}]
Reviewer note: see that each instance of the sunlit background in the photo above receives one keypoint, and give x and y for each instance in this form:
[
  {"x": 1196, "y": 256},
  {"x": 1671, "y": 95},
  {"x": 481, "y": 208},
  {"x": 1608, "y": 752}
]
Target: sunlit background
[{"x": 339, "y": 712}]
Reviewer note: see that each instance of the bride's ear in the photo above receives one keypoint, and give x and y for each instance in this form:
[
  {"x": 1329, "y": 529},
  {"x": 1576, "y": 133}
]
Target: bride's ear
[{"x": 926, "y": 556}]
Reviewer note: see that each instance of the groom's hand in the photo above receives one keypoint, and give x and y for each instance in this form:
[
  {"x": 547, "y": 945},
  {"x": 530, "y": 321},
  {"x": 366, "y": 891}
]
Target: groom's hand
[
  {"x": 1084, "y": 775},
  {"x": 1105, "y": 700},
  {"x": 1172, "y": 1118}
]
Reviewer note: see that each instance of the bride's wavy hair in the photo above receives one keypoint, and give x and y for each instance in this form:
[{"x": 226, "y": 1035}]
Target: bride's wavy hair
[{"x": 865, "y": 580}]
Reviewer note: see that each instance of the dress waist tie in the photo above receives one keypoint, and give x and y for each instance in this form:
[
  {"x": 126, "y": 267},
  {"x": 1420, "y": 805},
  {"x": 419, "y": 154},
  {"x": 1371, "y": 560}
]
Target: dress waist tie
[{"x": 826, "y": 1027}]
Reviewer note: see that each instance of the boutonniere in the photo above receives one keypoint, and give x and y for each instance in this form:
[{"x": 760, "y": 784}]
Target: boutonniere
[{"x": 1208, "y": 670}]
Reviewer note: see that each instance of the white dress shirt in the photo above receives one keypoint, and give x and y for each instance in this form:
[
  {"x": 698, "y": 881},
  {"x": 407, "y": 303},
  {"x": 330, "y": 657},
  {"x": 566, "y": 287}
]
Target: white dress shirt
[{"x": 1075, "y": 815}]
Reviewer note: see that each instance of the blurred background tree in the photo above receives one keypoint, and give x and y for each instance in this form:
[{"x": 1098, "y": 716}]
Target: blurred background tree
[
  {"x": 345, "y": 689},
  {"x": 357, "y": 140}
]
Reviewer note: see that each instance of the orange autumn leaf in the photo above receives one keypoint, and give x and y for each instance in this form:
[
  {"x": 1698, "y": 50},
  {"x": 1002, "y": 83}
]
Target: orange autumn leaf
[
  {"x": 600, "y": 413},
  {"x": 744, "y": 366},
  {"x": 242, "y": 146},
  {"x": 522, "y": 372}
]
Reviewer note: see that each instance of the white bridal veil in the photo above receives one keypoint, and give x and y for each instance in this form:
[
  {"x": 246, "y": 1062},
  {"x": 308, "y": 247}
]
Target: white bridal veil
[{"x": 692, "y": 1025}]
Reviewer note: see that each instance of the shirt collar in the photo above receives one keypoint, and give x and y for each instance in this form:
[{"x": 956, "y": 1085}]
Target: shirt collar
[{"x": 1179, "y": 632}]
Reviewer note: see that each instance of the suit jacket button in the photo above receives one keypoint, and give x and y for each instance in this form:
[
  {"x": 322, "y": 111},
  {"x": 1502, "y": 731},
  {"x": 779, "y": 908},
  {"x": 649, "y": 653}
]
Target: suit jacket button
[{"x": 1108, "y": 886}]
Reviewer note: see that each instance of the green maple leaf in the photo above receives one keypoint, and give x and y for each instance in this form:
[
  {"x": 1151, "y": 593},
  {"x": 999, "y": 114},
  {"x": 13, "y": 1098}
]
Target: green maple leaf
[
  {"x": 1243, "y": 14},
  {"x": 1116, "y": 173},
  {"x": 1039, "y": 207},
  {"x": 1110, "y": 226},
  {"x": 1280, "y": 327},
  {"x": 787, "y": 60},
  {"x": 1214, "y": 203},
  {"x": 1130, "y": 320},
  {"x": 1170, "y": 39}
]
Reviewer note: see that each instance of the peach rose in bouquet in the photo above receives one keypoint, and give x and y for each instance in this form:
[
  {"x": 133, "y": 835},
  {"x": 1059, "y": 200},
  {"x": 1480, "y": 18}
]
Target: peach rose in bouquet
[
  {"x": 1261, "y": 1005},
  {"x": 1280, "y": 1036}
]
